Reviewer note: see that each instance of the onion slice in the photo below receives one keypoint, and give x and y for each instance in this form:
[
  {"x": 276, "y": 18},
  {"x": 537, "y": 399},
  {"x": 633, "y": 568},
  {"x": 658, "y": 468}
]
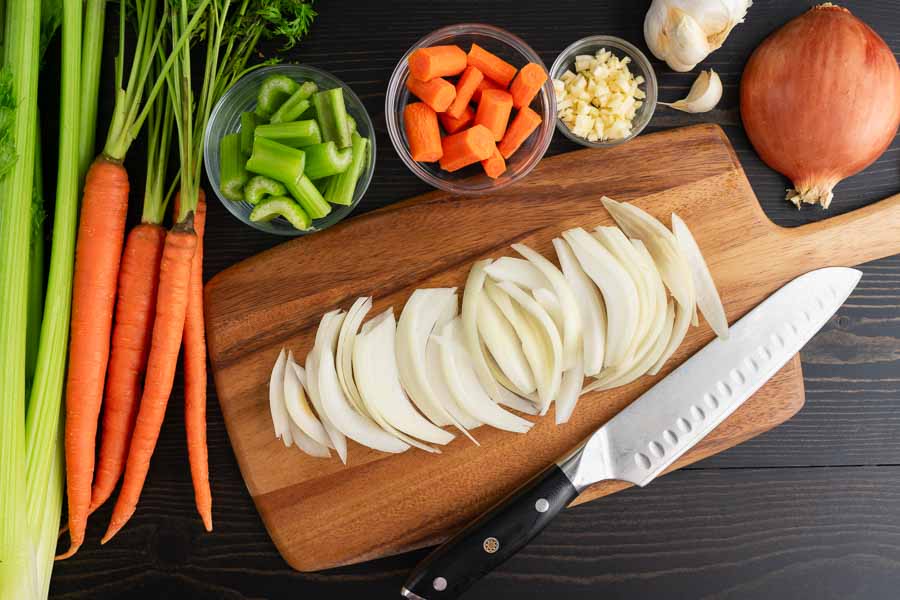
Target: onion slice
[
  {"x": 656, "y": 291},
  {"x": 510, "y": 396},
  {"x": 344, "y": 356},
  {"x": 298, "y": 408},
  {"x": 708, "y": 300},
  {"x": 280, "y": 419},
  {"x": 504, "y": 345},
  {"x": 550, "y": 303},
  {"x": 441, "y": 390},
  {"x": 569, "y": 392},
  {"x": 679, "y": 330},
  {"x": 590, "y": 307},
  {"x": 308, "y": 445},
  {"x": 338, "y": 440},
  {"x": 517, "y": 270}
]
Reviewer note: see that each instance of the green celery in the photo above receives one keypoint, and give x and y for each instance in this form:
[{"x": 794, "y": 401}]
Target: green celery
[
  {"x": 343, "y": 186},
  {"x": 281, "y": 206},
  {"x": 274, "y": 91},
  {"x": 309, "y": 197},
  {"x": 351, "y": 124},
  {"x": 322, "y": 184},
  {"x": 281, "y": 163},
  {"x": 249, "y": 121},
  {"x": 232, "y": 167},
  {"x": 91, "y": 57},
  {"x": 296, "y": 134},
  {"x": 296, "y": 105},
  {"x": 331, "y": 113},
  {"x": 260, "y": 186},
  {"x": 35, "y": 267},
  {"x": 325, "y": 160}
]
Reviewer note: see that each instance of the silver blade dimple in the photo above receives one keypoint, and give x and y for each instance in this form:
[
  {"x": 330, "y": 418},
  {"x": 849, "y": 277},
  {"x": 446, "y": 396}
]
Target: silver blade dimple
[{"x": 654, "y": 430}]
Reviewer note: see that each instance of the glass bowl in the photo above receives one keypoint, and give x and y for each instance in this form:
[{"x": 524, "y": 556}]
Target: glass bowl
[
  {"x": 471, "y": 179},
  {"x": 226, "y": 118},
  {"x": 639, "y": 66}
]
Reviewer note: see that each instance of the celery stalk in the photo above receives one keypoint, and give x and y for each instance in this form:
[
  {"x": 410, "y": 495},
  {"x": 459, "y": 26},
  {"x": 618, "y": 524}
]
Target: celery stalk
[
  {"x": 232, "y": 170},
  {"x": 91, "y": 55},
  {"x": 35, "y": 267},
  {"x": 260, "y": 186},
  {"x": 331, "y": 113},
  {"x": 274, "y": 91},
  {"x": 281, "y": 163},
  {"x": 325, "y": 160},
  {"x": 309, "y": 197},
  {"x": 343, "y": 186},
  {"x": 296, "y": 105},
  {"x": 281, "y": 206},
  {"x": 249, "y": 121},
  {"x": 296, "y": 134}
]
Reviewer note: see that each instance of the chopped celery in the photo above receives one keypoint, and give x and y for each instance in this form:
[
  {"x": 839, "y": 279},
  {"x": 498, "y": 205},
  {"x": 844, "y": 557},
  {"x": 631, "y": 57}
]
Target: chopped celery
[
  {"x": 343, "y": 186},
  {"x": 296, "y": 105},
  {"x": 332, "y": 116},
  {"x": 351, "y": 124},
  {"x": 324, "y": 160},
  {"x": 260, "y": 186},
  {"x": 273, "y": 92},
  {"x": 232, "y": 170},
  {"x": 249, "y": 121},
  {"x": 281, "y": 206},
  {"x": 296, "y": 134},
  {"x": 322, "y": 184},
  {"x": 281, "y": 163},
  {"x": 309, "y": 197}
]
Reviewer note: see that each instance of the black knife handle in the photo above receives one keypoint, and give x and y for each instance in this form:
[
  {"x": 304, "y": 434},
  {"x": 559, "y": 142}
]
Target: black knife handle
[{"x": 492, "y": 538}]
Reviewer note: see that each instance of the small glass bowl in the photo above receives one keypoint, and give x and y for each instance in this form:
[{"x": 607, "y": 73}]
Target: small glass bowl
[
  {"x": 639, "y": 66},
  {"x": 241, "y": 97},
  {"x": 471, "y": 179}
]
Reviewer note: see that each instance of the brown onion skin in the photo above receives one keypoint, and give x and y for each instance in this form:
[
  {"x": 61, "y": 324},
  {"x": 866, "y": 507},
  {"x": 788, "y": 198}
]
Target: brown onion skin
[{"x": 820, "y": 97}]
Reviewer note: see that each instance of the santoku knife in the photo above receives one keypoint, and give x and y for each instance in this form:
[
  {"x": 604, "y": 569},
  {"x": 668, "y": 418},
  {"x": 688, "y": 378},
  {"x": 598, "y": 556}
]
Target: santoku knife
[{"x": 648, "y": 435}]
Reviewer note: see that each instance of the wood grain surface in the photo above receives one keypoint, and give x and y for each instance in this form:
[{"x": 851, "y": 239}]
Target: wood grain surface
[{"x": 809, "y": 510}]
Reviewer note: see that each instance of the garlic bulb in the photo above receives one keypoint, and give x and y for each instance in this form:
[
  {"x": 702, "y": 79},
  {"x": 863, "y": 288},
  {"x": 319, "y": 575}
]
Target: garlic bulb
[
  {"x": 704, "y": 95},
  {"x": 684, "y": 32}
]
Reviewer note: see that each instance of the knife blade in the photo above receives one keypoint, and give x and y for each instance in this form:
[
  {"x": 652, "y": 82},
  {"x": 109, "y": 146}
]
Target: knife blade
[{"x": 647, "y": 436}]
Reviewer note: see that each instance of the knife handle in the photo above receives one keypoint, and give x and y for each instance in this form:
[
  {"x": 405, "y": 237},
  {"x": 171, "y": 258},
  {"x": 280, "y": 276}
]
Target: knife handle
[{"x": 492, "y": 538}]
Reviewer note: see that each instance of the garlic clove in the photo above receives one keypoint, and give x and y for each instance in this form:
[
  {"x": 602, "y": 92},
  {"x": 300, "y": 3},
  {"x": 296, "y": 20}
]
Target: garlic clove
[
  {"x": 704, "y": 95},
  {"x": 689, "y": 45}
]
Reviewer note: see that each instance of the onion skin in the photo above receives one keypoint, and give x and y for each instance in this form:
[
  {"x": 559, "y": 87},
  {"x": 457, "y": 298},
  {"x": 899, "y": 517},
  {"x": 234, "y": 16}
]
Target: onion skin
[{"x": 820, "y": 100}]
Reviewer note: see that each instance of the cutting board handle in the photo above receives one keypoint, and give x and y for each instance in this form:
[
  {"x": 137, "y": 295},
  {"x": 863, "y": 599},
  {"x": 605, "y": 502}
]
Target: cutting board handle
[{"x": 850, "y": 239}]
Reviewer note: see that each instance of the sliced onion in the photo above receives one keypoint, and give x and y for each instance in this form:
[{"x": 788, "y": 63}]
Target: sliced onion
[
  {"x": 618, "y": 245},
  {"x": 378, "y": 379},
  {"x": 571, "y": 329},
  {"x": 569, "y": 391},
  {"x": 280, "y": 419},
  {"x": 504, "y": 345},
  {"x": 679, "y": 330},
  {"x": 298, "y": 408},
  {"x": 517, "y": 270},
  {"x": 708, "y": 300},
  {"x": 550, "y": 303},
  {"x": 338, "y": 440},
  {"x": 661, "y": 244},
  {"x": 590, "y": 307},
  {"x": 510, "y": 396},
  {"x": 618, "y": 289},
  {"x": 656, "y": 291},
  {"x": 441, "y": 390},
  {"x": 465, "y": 385},
  {"x": 307, "y": 444},
  {"x": 344, "y": 357}
]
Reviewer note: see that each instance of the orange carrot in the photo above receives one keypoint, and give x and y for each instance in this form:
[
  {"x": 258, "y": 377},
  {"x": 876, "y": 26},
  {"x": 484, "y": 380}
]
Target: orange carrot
[
  {"x": 491, "y": 65},
  {"x": 493, "y": 112},
  {"x": 423, "y": 132},
  {"x": 452, "y": 125},
  {"x": 168, "y": 327},
  {"x": 437, "y": 93},
  {"x": 527, "y": 84},
  {"x": 494, "y": 165},
  {"x": 486, "y": 84},
  {"x": 465, "y": 87},
  {"x": 521, "y": 127},
  {"x": 437, "y": 61},
  {"x": 195, "y": 375},
  {"x": 467, "y": 147},
  {"x": 101, "y": 232},
  {"x": 136, "y": 305}
]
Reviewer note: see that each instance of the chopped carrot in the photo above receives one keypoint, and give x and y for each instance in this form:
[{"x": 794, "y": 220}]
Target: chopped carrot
[
  {"x": 527, "y": 84},
  {"x": 521, "y": 127},
  {"x": 452, "y": 125},
  {"x": 437, "y": 93},
  {"x": 494, "y": 165},
  {"x": 465, "y": 87},
  {"x": 437, "y": 61},
  {"x": 486, "y": 84},
  {"x": 467, "y": 147},
  {"x": 493, "y": 112},
  {"x": 491, "y": 65},
  {"x": 422, "y": 132}
]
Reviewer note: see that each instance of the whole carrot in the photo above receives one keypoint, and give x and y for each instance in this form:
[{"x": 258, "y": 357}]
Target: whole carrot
[{"x": 168, "y": 327}]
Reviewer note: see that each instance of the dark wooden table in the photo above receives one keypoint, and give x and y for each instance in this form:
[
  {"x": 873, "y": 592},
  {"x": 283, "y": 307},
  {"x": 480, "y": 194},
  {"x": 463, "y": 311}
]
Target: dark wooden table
[{"x": 809, "y": 510}]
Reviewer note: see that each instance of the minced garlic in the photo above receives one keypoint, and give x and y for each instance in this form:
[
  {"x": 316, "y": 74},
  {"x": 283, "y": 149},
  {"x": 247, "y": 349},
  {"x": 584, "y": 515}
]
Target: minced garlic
[{"x": 600, "y": 99}]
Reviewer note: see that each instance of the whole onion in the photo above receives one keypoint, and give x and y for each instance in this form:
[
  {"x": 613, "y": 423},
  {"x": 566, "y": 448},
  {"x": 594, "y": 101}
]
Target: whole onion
[{"x": 820, "y": 100}]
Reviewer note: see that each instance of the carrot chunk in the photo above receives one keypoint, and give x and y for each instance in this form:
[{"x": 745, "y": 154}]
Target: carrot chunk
[
  {"x": 465, "y": 87},
  {"x": 452, "y": 125},
  {"x": 423, "y": 132},
  {"x": 437, "y": 93},
  {"x": 493, "y": 112},
  {"x": 486, "y": 84},
  {"x": 491, "y": 65},
  {"x": 527, "y": 84},
  {"x": 522, "y": 126},
  {"x": 467, "y": 147},
  {"x": 494, "y": 165},
  {"x": 437, "y": 61}
]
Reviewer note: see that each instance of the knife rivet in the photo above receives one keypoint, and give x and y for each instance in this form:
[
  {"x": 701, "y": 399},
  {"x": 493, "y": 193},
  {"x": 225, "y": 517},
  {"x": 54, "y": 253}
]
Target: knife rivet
[
  {"x": 439, "y": 584},
  {"x": 542, "y": 505},
  {"x": 491, "y": 545}
]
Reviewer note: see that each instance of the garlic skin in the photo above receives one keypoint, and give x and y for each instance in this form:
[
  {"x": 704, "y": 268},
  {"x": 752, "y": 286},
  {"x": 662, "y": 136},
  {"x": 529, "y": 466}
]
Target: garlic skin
[
  {"x": 684, "y": 32},
  {"x": 704, "y": 95}
]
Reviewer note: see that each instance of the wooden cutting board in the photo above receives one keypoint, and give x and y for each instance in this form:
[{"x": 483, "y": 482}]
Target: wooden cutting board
[{"x": 322, "y": 514}]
